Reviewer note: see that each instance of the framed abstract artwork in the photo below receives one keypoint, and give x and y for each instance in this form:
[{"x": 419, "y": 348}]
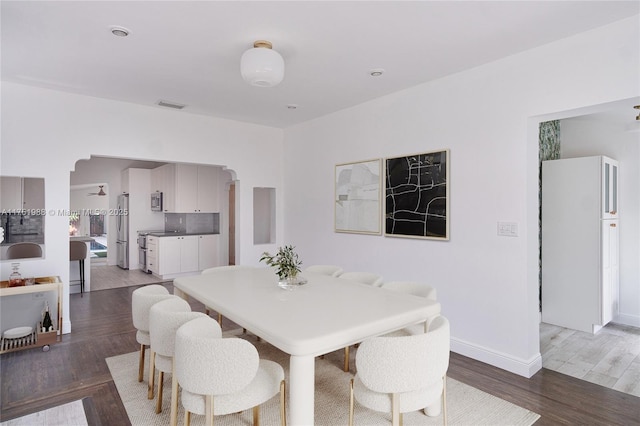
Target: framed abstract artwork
[
  {"x": 417, "y": 196},
  {"x": 358, "y": 206}
]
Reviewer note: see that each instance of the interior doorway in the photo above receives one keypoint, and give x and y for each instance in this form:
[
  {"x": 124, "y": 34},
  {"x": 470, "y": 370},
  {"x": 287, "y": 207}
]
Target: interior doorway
[
  {"x": 232, "y": 223},
  {"x": 611, "y": 356}
]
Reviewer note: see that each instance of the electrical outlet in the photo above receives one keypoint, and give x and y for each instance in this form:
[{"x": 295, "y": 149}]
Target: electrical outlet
[
  {"x": 508, "y": 229},
  {"x": 38, "y": 296}
]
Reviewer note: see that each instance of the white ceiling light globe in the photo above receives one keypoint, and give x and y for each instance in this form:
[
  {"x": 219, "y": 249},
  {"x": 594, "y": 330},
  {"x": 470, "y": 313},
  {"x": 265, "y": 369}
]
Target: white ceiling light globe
[{"x": 262, "y": 66}]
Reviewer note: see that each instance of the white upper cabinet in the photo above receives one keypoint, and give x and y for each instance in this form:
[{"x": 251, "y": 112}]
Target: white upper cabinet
[
  {"x": 187, "y": 188},
  {"x": 21, "y": 193},
  {"x": 11, "y": 193},
  {"x": 208, "y": 190}
]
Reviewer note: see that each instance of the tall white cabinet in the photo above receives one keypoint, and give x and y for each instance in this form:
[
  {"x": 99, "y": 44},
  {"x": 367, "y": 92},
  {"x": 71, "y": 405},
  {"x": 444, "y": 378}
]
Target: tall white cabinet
[{"x": 580, "y": 242}]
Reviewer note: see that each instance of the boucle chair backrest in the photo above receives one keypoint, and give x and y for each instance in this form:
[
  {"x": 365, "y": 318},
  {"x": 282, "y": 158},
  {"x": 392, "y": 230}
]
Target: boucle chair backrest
[
  {"x": 227, "y": 268},
  {"x": 331, "y": 270},
  {"x": 407, "y": 363},
  {"x": 207, "y": 364},
  {"x": 165, "y": 318},
  {"x": 412, "y": 287},
  {"x": 142, "y": 300},
  {"x": 363, "y": 277}
]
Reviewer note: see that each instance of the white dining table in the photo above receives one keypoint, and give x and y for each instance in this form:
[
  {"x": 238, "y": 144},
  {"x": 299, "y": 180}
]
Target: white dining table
[{"x": 321, "y": 316}]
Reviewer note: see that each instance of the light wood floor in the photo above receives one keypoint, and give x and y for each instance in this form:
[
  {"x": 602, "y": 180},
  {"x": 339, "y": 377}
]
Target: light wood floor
[
  {"x": 105, "y": 277},
  {"x": 609, "y": 358}
]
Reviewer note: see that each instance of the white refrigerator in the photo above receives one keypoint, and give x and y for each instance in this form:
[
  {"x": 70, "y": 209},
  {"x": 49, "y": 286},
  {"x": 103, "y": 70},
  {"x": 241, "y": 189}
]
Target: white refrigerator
[
  {"x": 580, "y": 229},
  {"x": 122, "y": 227}
]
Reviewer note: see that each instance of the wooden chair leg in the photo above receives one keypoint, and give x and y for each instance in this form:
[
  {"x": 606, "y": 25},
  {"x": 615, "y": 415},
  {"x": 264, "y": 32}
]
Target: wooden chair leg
[
  {"x": 346, "y": 359},
  {"x": 152, "y": 373},
  {"x": 351, "y": 403},
  {"x": 141, "y": 364},
  {"x": 444, "y": 400},
  {"x": 395, "y": 418},
  {"x": 187, "y": 418},
  {"x": 159, "y": 393},
  {"x": 173, "y": 420},
  {"x": 208, "y": 410},
  {"x": 256, "y": 415},
  {"x": 283, "y": 403}
]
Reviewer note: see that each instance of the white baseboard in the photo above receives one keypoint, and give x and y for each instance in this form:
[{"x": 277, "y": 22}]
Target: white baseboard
[
  {"x": 521, "y": 367},
  {"x": 624, "y": 319}
]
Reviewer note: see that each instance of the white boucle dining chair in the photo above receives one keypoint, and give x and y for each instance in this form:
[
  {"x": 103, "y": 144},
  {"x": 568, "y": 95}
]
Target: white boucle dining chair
[
  {"x": 141, "y": 301},
  {"x": 165, "y": 318},
  {"x": 331, "y": 270},
  {"x": 369, "y": 278},
  {"x": 417, "y": 289},
  {"x": 219, "y": 269},
  {"x": 403, "y": 374},
  {"x": 223, "y": 376}
]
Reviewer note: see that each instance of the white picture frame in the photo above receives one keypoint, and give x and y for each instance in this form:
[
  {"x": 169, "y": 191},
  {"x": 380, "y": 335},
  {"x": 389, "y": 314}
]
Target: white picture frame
[{"x": 357, "y": 200}]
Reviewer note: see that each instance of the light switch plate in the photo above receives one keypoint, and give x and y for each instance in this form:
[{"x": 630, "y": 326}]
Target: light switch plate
[{"x": 508, "y": 229}]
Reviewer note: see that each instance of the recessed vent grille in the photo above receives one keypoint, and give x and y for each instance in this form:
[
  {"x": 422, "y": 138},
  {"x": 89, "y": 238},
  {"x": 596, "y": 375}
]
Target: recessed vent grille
[{"x": 170, "y": 105}]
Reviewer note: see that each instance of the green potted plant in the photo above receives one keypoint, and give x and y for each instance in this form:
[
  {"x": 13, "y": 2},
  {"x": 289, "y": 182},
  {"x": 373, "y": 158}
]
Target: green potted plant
[{"x": 287, "y": 265}]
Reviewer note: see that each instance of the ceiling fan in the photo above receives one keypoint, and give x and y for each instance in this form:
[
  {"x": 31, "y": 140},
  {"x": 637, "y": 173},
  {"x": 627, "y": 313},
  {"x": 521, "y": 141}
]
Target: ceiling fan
[{"x": 100, "y": 193}]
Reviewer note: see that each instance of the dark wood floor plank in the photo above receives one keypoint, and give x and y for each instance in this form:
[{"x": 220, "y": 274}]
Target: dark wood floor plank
[{"x": 75, "y": 368}]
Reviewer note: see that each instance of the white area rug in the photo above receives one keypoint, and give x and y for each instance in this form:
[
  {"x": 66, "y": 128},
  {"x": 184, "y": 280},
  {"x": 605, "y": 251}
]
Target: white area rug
[
  {"x": 71, "y": 414},
  {"x": 466, "y": 405}
]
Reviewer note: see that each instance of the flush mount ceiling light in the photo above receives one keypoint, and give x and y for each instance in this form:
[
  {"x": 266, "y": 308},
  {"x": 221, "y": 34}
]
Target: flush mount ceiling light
[
  {"x": 376, "y": 72},
  {"x": 262, "y": 66},
  {"x": 119, "y": 31}
]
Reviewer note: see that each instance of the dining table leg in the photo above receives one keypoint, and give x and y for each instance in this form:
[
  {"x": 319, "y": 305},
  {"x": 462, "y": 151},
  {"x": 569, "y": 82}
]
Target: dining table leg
[{"x": 301, "y": 390}]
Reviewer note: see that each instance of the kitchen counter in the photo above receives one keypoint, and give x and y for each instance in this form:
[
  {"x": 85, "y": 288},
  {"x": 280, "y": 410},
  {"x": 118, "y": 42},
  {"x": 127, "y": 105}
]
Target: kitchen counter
[{"x": 82, "y": 238}]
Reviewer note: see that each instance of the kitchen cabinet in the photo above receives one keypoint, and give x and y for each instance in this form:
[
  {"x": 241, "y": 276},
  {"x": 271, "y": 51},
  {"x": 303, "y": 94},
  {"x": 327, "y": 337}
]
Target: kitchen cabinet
[
  {"x": 580, "y": 226},
  {"x": 208, "y": 251},
  {"x": 173, "y": 256},
  {"x": 163, "y": 180},
  {"x": 187, "y": 188},
  {"x": 177, "y": 255},
  {"x": 152, "y": 254},
  {"x": 207, "y": 199},
  {"x": 19, "y": 193}
]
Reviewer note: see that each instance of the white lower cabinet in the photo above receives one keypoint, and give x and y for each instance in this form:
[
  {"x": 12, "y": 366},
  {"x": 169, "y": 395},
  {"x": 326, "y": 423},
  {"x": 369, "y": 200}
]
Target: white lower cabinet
[
  {"x": 185, "y": 254},
  {"x": 208, "y": 251},
  {"x": 177, "y": 255},
  {"x": 152, "y": 254}
]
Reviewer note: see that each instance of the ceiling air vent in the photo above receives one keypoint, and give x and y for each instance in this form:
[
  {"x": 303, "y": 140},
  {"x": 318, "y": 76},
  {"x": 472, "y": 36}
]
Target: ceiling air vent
[{"x": 170, "y": 105}]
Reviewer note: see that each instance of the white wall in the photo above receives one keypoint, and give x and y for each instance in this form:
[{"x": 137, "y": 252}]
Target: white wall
[
  {"x": 45, "y": 132},
  {"x": 587, "y": 136},
  {"x": 488, "y": 118}
]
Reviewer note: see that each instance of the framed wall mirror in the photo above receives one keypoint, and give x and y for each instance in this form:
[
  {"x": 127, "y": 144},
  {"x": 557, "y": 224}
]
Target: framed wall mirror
[{"x": 22, "y": 217}]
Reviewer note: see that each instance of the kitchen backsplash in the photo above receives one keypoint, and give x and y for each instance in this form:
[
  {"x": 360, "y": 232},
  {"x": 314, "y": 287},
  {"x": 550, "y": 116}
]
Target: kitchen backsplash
[
  {"x": 192, "y": 223},
  {"x": 22, "y": 228}
]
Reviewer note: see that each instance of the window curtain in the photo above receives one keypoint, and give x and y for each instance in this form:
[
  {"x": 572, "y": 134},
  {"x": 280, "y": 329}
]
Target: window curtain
[{"x": 549, "y": 149}]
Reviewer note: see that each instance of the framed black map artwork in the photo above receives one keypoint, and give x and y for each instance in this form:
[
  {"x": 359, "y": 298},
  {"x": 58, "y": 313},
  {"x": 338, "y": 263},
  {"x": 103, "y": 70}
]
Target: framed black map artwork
[{"x": 417, "y": 196}]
